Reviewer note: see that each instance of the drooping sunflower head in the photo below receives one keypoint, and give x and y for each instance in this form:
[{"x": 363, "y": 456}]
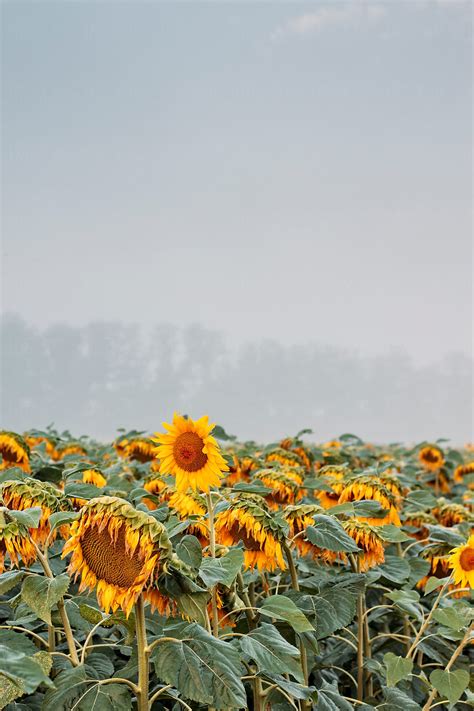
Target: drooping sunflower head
[
  {"x": 431, "y": 457},
  {"x": 461, "y": 561},
  {"x": 368, "y": 540},
  {"x": 450, "y": 514},
  {"x": 36, "y": 440},
  {"x": 248, "y": 520},
  {"x": 157, "y": 486},
  {"x": 14, "y": 451},
  {"x": 140, "y": 449},
  {"x": 437, "y": 556},
  {"x": 95, "y": 477},
  {"x": 285, "y": 457},
  {"x": 462, "y": 471},
  {"x": 191, "y": 454},
  {"x": 391, "y": 482},
  {"x": 240, "y": 469},
  {"x": 68, "y": 450},
  {"x": 116, "y": 549},
  {"x": 419, "y": 520},
  {"x": 120, "y": 445},
  {"x": 298, "y": 518},
  {"x": 14, "y": 541},
  {"x": 192, "y": 506},
  {"x": 285, "y": 485},
  {"x": 21, "y": 495},
  {"x": 332, "y": 476},
  {"x": 371, "y": 488}
]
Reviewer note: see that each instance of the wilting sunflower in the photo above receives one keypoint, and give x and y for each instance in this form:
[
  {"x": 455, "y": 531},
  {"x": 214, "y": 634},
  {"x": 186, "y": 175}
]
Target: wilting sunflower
[
  {"x": 431, "y": 457},
  {"x": 72, "y": 448},
  {"x": 332, "y": 475},
  {"x": 95, "y": 477},
  {"x": 37, "y": 440},
  {"x": 461, "y": 561},
  {"x": 190, "y": 453},
  {"x": 286, "y": 457},
  {"x": 298, "y": 518},
  {"x": 14, "y": 451},
  {"x": 371, "y": 488},
  {"x": 305, "y": 454},
  {"x": 14, "y": 540},
  {"x": 437, "y": 556},
  {"x": 419, "y": 520},
  {"x": 463, "y": 470},
  {"x": 250, "y": 521},
  {"x": 157, "y": 486},
  {"x": 240, "y": 469},
  {"x": 285, "y": 485},
  {"x": 191, "y": 504},
  {"x": 116, "y": 549},
  {"x": 449, "y": 514},
  {"x": 120, "y": 446},
  {"x": 21, "y": 495},
  {"x": 368, "y": 539},
  {"x": 140, "y": 449}
]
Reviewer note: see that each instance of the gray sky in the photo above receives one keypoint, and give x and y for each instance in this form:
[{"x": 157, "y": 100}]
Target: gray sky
[{"x": 300, "y": 171}]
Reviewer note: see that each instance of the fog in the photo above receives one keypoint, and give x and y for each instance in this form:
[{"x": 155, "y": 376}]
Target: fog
[{"x": 96, "y": 378}]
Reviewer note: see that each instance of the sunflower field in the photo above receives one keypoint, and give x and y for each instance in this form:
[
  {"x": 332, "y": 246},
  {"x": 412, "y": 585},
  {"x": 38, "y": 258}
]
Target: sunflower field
[{"x": 187, "y": 570}]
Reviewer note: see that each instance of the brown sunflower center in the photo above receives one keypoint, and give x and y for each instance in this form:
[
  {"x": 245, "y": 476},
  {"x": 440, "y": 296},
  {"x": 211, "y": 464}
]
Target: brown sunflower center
[
  {"x": 431, "y": 456},
  {"x": 240, "y": 534},
  {"x": 188, "y": 452},
  {"x": 108, "y": 560},
  {"x": 466, "y": 559}
]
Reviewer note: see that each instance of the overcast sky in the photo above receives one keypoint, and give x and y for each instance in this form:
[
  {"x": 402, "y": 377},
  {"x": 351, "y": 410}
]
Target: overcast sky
[{"x": 293, "y": 170}]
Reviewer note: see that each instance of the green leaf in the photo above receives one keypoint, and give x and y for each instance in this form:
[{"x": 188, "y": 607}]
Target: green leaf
[
  {"x": 450, "y": 684},
  {"x": 110, "y": 697},
  {"x": 328, "y": 698},
  {"x": 69, "y": 686},
  {"x": 62, "y": 517},
  {"x": 395, "y": 569},
  {"x": 22, "y": 669},
  {"x": 29, "y": 518},
  {"x": 194, "y": 606},
  {"x": 396, "y": 699},
  {"x": 41, "y": 594},
  {"x": 189, "y": 550},
  {"x": 13, "y": 688},
  {"x": 9, "y": 579},
  {"x": 222, "y": 570},
  {"x": 17, "y": 642},
  {"x": 203, "y": 668},
  {"x": 392, "y": 534},
  {"x": 101, "y": 665},
  {"x": 282, "y": 608},
  {"x": 419, "y": 568},
  {"x": 406, "y": 600},
  {"x": 450, "y": 617},
  {"x": 433, "y": 583},
  {"x": 91, "y": 614},
  {"x": 329, "y": 533},
  {"x": 421, "y": 500},
  {"x": 219, "y": 433},
  {"x": 445, "y": 535},
  {"x": 82, "y": 491},
  {"x": 397, "y": 668},
  {"x": 271, "y": 652}
]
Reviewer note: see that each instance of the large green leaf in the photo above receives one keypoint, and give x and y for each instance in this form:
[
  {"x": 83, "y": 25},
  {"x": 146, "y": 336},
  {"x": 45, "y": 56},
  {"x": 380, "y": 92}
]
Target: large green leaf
[
  {"x": 397, "y": 668},
  {"x": 282, "y": 608},
  {"x": 396, "y": 699},
  {"x": 12, "y": 687},
  {"x": 450, "y": 617},
  {"x": 110, "y": 697},
  {"x": 29, "y": 517},
  {"x": 450, "y": 684},
  {"x": 395, "y": 569},
  {"x": 392, "y": 534},
  {"x": 60, "y": 518},
  {"x": 69, "y": 687},
  {"x": 328, "y": 533},
  {"x": 222, "y": 570},
  {"x": 271, "y": 652},
  {"x": 334, "y": 607},
  {"x": 9, "y": 579},
  {"x": 41, "y": 594},
  {"x": 406, "y": 600},
  {"x": 190, "y": 551},
  {"x": 328, "y": 698},
  {"x": 22, "y": 669},
  {"x": 203, "y": 668}
]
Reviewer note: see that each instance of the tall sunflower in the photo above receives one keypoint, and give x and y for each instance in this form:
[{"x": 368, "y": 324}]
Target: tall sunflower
[
  {"x": 14, "y": 541},
  {"x": 116, "y": 549},
  {"x": 431, "y": 457},
  {"x": 461, "y": 561},
  {"x": 190, "y": 453},
  {"x": 368, "y": 539},
  {"x": 14, "y": 451},
  {"x": 21, "y": 495},
  {"x": 249, "y": 521}
]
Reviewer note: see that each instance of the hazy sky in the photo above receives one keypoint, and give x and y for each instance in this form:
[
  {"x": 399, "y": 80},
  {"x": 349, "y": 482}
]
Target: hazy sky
[{"x": 293, "y": 170}]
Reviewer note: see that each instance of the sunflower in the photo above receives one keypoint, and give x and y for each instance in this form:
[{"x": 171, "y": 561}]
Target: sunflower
[
  {"x": 285, "y": 485},
  {"x": 332, "y": 475},
  {"x": 120, "y": 446},
  {"x": 189, "y": 452},
  {"x": 240, "y": 469},
  {"x": 285, "y": 457},
  {"x": 158, "y": 487},
  {"x": 116, "y": 549},
  {"x": 14, "y": 540},
  {"x": 461, "y": 561},
  {"x": 437, "y": 557},
  {"x": 250, "y": 521},
  {"x": 140, "y": 449},
  {"x": 95, "y": 477},
  {"x": 371, "y": 488},
  {"x": 419, "y": 520},
  {"x": 298, "y": 518},
  {"x": 463, "y": 470},
  {"x": 73, "y": 448},
  {"x": 21, "y": 495},
  {"x": 368, "y": 539},
  {"x": 431, "y": 457},
  {"x": 14, "y": 451},
  {"x": 37, "y": 440},
  {"x": 450, "y": 514},
  {"x": 191, "y": 504}
]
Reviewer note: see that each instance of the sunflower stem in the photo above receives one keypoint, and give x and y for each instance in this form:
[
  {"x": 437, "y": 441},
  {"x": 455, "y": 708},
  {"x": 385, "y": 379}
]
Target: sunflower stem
[
  {"x": 143, "y": 655},
  {"x": 43, "y": 559},
  {"x": 360, "y": 640},
  {"x": 455, "y": 655},
  {"x": 428, "y": 619},
  {"x": 296, "y": 586},
  {"x": 212, "y": 547}
]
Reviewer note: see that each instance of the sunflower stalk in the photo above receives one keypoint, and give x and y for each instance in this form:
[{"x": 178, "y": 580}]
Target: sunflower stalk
[
  {"x": 212, "y": 547},
  {"x": 428, "y": 619},
  {"x": 61, "y": 607},
  {"x": 143, "y": 655},
  {"x": 465, "y": 640},
  {"x": 296, "y": 586}
]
